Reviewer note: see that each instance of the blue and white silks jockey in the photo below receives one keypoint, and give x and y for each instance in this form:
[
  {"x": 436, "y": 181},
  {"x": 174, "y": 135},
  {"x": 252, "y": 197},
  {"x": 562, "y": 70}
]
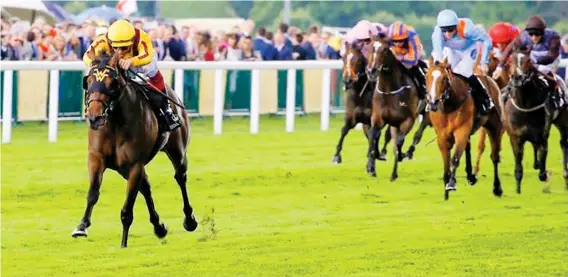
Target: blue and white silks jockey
[{"x": 457, "y": 40}]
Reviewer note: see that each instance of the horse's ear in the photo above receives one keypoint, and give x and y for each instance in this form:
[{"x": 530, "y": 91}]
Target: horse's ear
[
  {"x": 85, "y": 82},
  {"x": 431, "y": 61},
  {"x": 445, "y": 62}
]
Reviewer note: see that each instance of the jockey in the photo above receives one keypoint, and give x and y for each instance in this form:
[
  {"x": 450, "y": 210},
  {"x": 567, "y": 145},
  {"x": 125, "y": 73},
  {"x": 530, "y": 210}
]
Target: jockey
[
  {"x": 502, "y": 34},
  {"x": 361, "y": 34},
  {"x": 406, "y": 45},
  {"x": 544, "y": 45},
  {"x": 135, "y": 50},
  {"x": 457, "y": 38}
]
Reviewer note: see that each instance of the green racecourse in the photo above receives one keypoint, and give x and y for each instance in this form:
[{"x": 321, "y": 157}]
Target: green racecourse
[{"x": 274, "y": 205}]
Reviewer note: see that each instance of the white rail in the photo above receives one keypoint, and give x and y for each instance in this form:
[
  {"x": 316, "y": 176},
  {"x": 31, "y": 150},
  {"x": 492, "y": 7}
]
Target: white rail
[{"x": 54, "y": 67}]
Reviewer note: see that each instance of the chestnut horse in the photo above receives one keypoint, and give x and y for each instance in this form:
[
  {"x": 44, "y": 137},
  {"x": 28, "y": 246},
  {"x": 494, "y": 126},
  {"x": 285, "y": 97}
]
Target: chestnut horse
[
  {"x": 124, "y": 136},
  {"x": 359, "y": 95},
  {"x": 395, "y": 102},
  {"x": 452, "y": 113},
  {"x": 529, "y": 118}
]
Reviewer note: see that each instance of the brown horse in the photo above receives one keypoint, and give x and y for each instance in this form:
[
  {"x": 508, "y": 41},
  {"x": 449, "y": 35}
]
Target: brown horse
[
  {"x": 359, "y": 94},
  {"x": 395, "y": 102},
  {"x": 452, "y": 112},
  {"x": 124, "y": 136},
  {"x": 528, "y": 116}
]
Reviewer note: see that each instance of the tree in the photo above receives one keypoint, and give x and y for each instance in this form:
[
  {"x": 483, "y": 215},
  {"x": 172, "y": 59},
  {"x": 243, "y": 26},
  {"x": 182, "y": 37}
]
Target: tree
[{"x": 242, "y": 8}]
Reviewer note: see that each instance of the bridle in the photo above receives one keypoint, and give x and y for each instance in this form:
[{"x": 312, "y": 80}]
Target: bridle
[{"x": 98, "y": 85}]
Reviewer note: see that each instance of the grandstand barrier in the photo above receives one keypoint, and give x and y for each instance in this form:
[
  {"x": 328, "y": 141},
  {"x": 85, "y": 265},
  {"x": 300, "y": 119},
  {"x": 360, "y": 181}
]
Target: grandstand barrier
[
  {"x": 59, "y": 100},
  {"x": 259, "y": 72}
]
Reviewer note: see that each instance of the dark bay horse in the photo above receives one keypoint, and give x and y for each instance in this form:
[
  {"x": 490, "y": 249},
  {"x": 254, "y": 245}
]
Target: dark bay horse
[
  {"x": 529, "y": 118},
  {"x": 124, "y": 136},
  {"x": 419, "y": 133},
  {"x": 359, "y": 95},
  {"x": 395, "y": 102},
  {"x": 452, "y": 112}
]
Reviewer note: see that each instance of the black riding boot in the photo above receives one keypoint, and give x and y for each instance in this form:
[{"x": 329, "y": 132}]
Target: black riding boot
[
  {"x": 556, "y": 97},
  {"x": 171, "y": 119},
  {"x": 480, "y": 96}
]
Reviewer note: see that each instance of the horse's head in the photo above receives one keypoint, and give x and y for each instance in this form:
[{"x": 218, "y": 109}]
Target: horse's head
[
  {"x": 102, "y": 89},
  {"x": 438, "y": 83},
  {"x": 380, "y": 58},
  {"x": 521, "y": 69},
  {"x": 353, "y": 63}
]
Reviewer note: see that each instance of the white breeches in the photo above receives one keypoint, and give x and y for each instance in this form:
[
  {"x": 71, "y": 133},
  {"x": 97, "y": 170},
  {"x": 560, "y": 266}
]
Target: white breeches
[
  {"x": 545, "y": 69},
  {"x": 150, "y": 69},
  {"x": 461, "y": 61}
]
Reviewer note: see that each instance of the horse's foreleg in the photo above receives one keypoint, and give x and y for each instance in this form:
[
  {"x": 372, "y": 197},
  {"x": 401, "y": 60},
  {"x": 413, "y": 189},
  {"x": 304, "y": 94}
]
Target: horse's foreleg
[
  {"x": 542, "y": 153},
  {"x": 383, "y": 154},
  {"x": 96, "y": 170},
  {"x": 468, "y": 169},
  {"x": 372, "y": 153},
  {"x": 160, "y": 228},
  {"x": 536, "y": 164},
  {"x": 444, "y": 146},
  {"x": 179, "y": 161},
  {"x": 418, "y": 136},
  {"x": 480, "y": 150},
  {"x": 347, "y": 126},
  {"x": 518, "y": 151},
  {"x": 461, "y": 137},
  {"x": 495, "y": 136},
  {"x": 135, "y": 176},
  {"x": 394, "y": 131}
]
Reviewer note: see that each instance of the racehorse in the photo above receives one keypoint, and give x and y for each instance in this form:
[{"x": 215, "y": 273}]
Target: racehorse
[
  {"x": 124, "y": 136},
  {"x": 529, "y": 118},
  {"x": 452, "y": 112},
  {"x": 395, "y": 102},
  {"x": 359, "y": 94}
]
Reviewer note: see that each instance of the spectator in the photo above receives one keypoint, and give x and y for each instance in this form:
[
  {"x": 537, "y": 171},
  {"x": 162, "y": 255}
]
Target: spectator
[
  {"x": 298, "y": 52},
  {"x": 271, "y": 52},
  {"x": 176, "y": 46},
  {"x": 232, "y": 52},
  {"x": 260, "y": 42},
  {"x": 283, "y": 28},
  {"x": 325, "y": 51},
  {"x": 248, "y": 52},
  {"x": 284, "y": 50}
]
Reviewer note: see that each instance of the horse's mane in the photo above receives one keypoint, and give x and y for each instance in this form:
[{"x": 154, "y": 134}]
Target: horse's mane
[{"x": 103, "y": 59}]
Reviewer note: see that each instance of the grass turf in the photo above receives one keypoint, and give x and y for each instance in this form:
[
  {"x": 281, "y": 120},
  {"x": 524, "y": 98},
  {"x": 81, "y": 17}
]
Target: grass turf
[{"x": 273, "y": 204}]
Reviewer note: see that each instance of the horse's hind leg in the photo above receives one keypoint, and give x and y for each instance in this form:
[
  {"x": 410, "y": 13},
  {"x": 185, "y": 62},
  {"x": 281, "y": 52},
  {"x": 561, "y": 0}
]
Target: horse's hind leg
[
  {"x": 347, "y": 126},
  {"x": 468, "y": 169},
  {"x": 96, "y": 169},
  {"x": 495, "y": 136},
  {"x": 395, "y": 133},
  {"x": 564, "y": 145},
  {"x": 418, "y": 136},
  {"x": 160, "y": 228},
  {"x": 179, "y": 161},
  {"x": 480, "y": 150},
  {"x": 382, "y": 156},
  {"x": 536, "y": 164}
]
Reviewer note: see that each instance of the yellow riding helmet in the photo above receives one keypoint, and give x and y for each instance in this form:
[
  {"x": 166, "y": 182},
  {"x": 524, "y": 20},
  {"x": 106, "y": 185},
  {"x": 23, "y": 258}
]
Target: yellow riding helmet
[{"x": 120, "y": 33}]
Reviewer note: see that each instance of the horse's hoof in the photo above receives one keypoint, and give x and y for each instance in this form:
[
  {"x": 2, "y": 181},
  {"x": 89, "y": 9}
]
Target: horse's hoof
[
  {"x": 401, "y": 157},
  {"x": 409, "y": 155},
  {"x": 543, "y": 176},
  {"x": 472, "y": 180},
  {"x": 446, "y": 195},
  {"x": 161, "y": 230},
  {"x": 382, "y": 156},
  {"x": 518, "y": 190},
  {"x": 79, "y": 232},
  {"x": 498, "y": 192},
  {"x": 190, "y": 224},
  {"x": 394, "y": 177},
  {"x": 337, "y": 159},
  {"x": 536, "y": 166},
  {"x": 451, "y": 186},
  {"x": 372, "y": 172}
]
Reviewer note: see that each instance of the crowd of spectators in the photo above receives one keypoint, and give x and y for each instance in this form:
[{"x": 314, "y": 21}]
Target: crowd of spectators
[{"x": 68, "y": 42}]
